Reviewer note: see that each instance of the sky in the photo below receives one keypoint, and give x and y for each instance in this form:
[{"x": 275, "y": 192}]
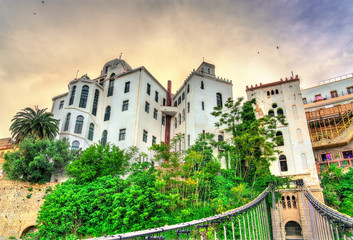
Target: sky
[{"x": 44, "y": 43}]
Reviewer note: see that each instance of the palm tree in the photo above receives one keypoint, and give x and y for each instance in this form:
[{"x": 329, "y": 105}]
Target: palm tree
[{"x": 35, "y": 122}]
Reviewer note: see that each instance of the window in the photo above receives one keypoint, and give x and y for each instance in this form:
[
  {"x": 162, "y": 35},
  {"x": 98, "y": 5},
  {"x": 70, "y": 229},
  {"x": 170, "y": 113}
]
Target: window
[
  {"x": 175, "y": 122},
  {"x": 67, "y": 122},
  {"x": 219, "y": 99},
  {"x": 188, "y": 139},
  {"x": 75, "y": 145},
  {"x": 122, "y": 133},
  {"x": 188, "y": 107},
  {"x": 155, "y": 113},
  {"x": 90, "y": 131},
  {"x": 268, "y": 93},
  {"x": 271, "y": 112},
  {"x": 125, "y": 105},
  {"x": 347, "y": 154},
  {"x": 163, "y": 120},
  {"x": 61, "y": 104},
  {"x": 283, "y": 163},
  {"x": 202, "y": 86},
  {"x": 179, "y": 100},
  {"x": 334, "y": 94},
  {"x": 164, "y": 101},
  {"x": 272, "y": 92},
  {"x": 104, "y": 137},
  {"x": 179, "y": 118},
  {"x": 111, "y": 86},
  {"x": 127, "y": 87},
  {"x": 147, "y": 107},
  {"x": 277, "y": 91},
  {"x": 72, "y": 97},
  {"x": 148, "y": 89},
  {"x": 299, "y": 135},
  {"x": 293, "y": 229},
  {"x": 175, "y": 103},
  {"x": 153, "y": 140},
  {"x": 84, "y": 96},
  {"x": 304, "y": 162},
  {"x": 183, "y": 114},
  {"x": 107, "y": 114},
  {"x": 326, "y": 157},
  {"x": 274, "y": 105},
  {"x": 202, "y": 105},
  {"x": 294, "y": 202},
  {"x": 288, "y": 202},
  {"x": 305, "y": 101},
  {"x": 156, "y": 96},
  {"x": 78, "y": 125},
  {"x": 95, "y": 103},
  {"x": 350, "y": 90},
  {"x": 183, "y": 96},
  {"x": 188, "y": 88},
  {"x": 279, "y": 138},
  {"x": 220, "y": 139},
  {"x": 295, "y": 112},
  {"x": 284, "y": 202},
  {"x": 280, "y": 112},
  {"x": 144, "y": 137}
]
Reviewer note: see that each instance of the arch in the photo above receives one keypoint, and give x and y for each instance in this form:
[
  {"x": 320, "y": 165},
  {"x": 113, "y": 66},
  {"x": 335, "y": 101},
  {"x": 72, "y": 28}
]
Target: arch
[
  {"x": 277, "y": 91},
  {"x": 268, "y": 93},
  {"x": 75, "y": 145},
  {"x": 299, "y": 135},
  {"x": 107, "y": 113},
  {"x": 295, "y": 112},
  {"x": 283, "y": 163},
  {"x": 304, "y": 162},
  {"x": 78, "y": 125},
  {"x": 67, "y": 122},
  {"x": 72, "y": 97},
  {"x": 29, "y": 229},
  {"x": 84, "y": 96},
  {"x": 274, "y": 105},
  {"x": 294, "y": 202},
  {"x": 90, "y": 131},
  {"x": 289, "y": 204},
  {"x": 280, "y": 112},
  {"x": 111, "y": 85},
  {"x": 279, "y": 137},
  {"x": 95, "y": 102},
  {"x": 179, "y": 116},
  {"x": 219, "y": 99},
  {"x": 104, "y": 137},
  {"x": 284, "y": 205},
  {"x": 272, "y": 92},
  {"x": 293, "y": 228},
  {"x": 271, "y": 112}
]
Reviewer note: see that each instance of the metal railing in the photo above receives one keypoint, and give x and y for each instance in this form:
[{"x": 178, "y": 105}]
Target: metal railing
[{"x": 251, "y": 222}]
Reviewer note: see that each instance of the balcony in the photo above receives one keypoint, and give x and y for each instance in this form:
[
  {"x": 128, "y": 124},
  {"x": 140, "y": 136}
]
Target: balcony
[{"x": 169, "y": 110}]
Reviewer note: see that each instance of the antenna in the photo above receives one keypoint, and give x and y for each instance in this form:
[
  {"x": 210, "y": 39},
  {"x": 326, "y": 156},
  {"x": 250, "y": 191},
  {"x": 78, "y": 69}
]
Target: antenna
[
  {"x": 292, "y": 73},
  {"x": 77, "y": 74},
  {"x": 121, "y": 54}
]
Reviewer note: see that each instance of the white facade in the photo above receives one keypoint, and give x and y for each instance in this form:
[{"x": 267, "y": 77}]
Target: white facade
[
  {"x": 284, "y": 97},
  {"x": 137, "y": 104}
]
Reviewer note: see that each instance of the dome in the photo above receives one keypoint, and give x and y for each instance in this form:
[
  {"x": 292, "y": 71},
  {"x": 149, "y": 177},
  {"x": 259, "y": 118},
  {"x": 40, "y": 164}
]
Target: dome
[{"x": 115, "y": 62}]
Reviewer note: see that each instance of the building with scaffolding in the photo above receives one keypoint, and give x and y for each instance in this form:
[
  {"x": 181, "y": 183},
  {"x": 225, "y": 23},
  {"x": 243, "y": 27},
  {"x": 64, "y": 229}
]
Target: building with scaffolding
[{"x": 329, "y": 115}]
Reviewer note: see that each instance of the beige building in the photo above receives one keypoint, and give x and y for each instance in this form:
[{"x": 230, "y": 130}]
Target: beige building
[{"x": 5, "y": 146}]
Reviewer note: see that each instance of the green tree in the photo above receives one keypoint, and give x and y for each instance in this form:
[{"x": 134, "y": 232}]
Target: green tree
[
  {"x": 98, "y": 160},
  {"x": 253, "y": 143},
  {"x": 35, "y": 122},
  {"x": 36, "y": 160}
]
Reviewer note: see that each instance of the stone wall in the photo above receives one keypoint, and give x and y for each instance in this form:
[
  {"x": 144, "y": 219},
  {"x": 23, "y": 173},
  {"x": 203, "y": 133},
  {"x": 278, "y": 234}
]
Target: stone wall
[{"x": 19, "y": 205}]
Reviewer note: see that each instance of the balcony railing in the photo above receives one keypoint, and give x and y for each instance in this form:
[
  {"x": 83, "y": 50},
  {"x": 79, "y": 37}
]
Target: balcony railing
[{"x": 343, "y": 163}]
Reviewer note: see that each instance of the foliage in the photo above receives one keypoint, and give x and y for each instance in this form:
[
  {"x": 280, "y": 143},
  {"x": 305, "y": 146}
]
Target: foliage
[
  {"x": 338, "y": 188},
  {"x": 98, "y": 160},
  {"x": 36, "y": 122},
  {"x": 36, "y": 160}
]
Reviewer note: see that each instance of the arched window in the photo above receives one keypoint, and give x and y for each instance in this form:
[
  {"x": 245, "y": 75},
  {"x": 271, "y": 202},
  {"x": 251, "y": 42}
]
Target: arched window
[
  {"x": 72, "y": 97},
  {"x": 75, "y": 145},
  {"x": 183, "y": 115},
  {"x": 299, "y": 135},
  {"x": 107, "y": 114},
  {"x": 293, "y": 229},
  {"x": 84, "y": 96},
  {"x": 67, "y": 122},
  {"x": 78, "y": 125},
  {"x": 294, "y": 202},
  {"x": 295, "y": 112},
  {"x": 202, "y": 86},
  {"x": 90, "y": 131},
  {"x": 274, "y": 105},
  {"x": 288, "y": 202},
  {"x": 271, "y": 112},
  {"x": 283, "y": 163},
  {"x": 304, "y": 162},
  {"x": 284, "y": 205},
  {"x": 280, "y": 112},
  {"x": 104, "y": 137},
  {"x": 279, "y": 138},
  {"x": 268, "y": 93},
  {"x": 188, "y": 88},
  {"x": 202, "y": 105},
  {"x": 277, "y": 91},
  {"x": 272, "y": 92},
  {"x": 111, "y": 85},
  {"x": 188, "y": 107},
  {"x": 176, "y": 122},
  {"x": 95, "y": 102},
  {"x": 219, "y": 99},
  {"x": 179, "y": 118}
]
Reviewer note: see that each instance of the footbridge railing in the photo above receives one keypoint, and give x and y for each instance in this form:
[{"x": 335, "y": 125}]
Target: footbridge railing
[
  {"x": 326, "y": 223},
  {"x": 250, "y": 221}
]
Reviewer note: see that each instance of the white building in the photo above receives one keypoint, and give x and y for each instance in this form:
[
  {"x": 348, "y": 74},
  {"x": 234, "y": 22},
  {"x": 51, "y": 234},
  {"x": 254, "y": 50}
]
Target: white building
[{"x": 129, "y": 107}]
